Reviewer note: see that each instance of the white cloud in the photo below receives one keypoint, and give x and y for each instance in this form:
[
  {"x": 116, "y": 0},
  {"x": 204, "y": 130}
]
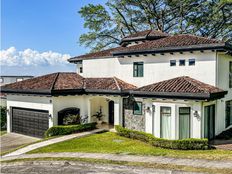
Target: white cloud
[{"x": 12, "y": 57}]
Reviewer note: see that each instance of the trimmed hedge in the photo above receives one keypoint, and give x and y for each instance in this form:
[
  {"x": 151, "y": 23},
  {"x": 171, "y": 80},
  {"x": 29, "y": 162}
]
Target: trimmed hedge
[
  {"x": 184, "y": 144},
  {"x": 3, "y": 117},
  {"x": 65, "y": 130}
]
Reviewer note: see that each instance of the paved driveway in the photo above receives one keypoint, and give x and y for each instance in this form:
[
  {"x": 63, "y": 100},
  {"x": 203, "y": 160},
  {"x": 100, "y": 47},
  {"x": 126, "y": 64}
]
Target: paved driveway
[{"x": 12, "y": 140}]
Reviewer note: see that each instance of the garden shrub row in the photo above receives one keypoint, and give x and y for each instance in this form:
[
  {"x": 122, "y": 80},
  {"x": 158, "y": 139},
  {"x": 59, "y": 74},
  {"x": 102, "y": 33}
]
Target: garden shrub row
[
  {"x": 65, "y": 130},
  {"x": 184, "y": 144}
]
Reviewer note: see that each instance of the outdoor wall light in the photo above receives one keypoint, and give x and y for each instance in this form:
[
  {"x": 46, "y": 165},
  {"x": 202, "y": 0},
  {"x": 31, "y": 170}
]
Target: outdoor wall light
[
  {"x": 196, "y": 114},
  {"x": 50, "y": 116},
  {"x": 153, "y": 108},
  {"x": 148, "y": 109}
]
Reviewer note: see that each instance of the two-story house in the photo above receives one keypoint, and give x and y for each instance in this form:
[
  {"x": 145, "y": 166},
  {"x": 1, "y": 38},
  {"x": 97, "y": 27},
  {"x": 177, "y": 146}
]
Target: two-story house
[{"x": 173, "y": 86}]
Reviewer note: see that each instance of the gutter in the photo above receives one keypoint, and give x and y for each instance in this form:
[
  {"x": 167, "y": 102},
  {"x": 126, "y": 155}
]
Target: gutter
[
  {"x": 174, "y": 95},
  {"x": 27, "y": 91}
]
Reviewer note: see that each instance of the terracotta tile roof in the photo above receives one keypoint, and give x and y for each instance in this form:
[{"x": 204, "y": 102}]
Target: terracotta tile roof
[
  {"x": 182, "y": 85},
  {"x": 38, "y": 83},
  {"x": 147, "y": 33},
  {"x": 107, "y": 84},
  {"x": 72, "y": 83},
  {"x": 181, "y": 40},
  {"x": 168, "y": 43},
  {"x": 99, "y": 54},
  {"x": 67, "y": 81},
  {"x": 123, "y": 85}
]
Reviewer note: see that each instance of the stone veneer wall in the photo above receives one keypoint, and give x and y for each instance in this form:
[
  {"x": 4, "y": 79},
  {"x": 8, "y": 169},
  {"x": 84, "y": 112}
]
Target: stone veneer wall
[{"x": 131, "y": 121}]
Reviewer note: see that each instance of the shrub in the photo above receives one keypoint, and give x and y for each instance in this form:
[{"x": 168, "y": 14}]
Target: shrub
[
  {"x": 71, "y": 119},
  {"x": 184, "y": 144},
  {"x": 3, "y": 118},
  {"x": 65, "y": 130}
]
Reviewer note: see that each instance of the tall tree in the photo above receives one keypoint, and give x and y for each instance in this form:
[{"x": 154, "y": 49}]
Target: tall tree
[{"x": 116, "y": 19}]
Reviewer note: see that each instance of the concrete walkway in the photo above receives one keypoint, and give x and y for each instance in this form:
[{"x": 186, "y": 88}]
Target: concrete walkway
[
  {"x": 51, "y": 141},
  {"x": 131, "y": 158},
  {"x": 11, "y": 141}
]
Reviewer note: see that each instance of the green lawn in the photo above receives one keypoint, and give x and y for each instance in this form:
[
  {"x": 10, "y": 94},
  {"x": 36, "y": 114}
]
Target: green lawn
[{"x": 111, "y": 143}]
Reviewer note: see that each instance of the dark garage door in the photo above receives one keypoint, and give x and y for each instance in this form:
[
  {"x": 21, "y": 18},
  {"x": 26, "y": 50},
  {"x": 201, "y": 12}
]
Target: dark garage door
[{"x": 29, "y": 121}]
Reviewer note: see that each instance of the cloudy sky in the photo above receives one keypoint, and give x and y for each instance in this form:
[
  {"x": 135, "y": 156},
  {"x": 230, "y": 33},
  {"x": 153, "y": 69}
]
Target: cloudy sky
[{"x": 39, "y": 36}]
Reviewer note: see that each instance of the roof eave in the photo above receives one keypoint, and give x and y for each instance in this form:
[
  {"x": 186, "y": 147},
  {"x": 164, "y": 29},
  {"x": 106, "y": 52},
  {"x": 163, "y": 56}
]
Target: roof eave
[
  {"x": 79, "y": 59},
  {"x": 221, "y": 46},
  {"x": 27, "y": 91},
  {"x": 176, "y": 95}
]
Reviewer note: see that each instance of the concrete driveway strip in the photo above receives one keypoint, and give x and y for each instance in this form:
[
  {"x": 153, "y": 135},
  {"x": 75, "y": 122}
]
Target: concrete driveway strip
[
  {"x": 77, "y": 167},
  {"x": 131, "y": 158},
  {"x": 51, "y": 141},
  {"x": 11, "y": 141}
]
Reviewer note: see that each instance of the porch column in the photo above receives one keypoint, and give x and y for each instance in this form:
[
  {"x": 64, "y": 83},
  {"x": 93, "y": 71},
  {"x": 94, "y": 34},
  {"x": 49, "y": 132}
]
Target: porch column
[
  {"x": 89, "y": 110},
  {"x": 8, "y": 112},
  {"x": 117, "y": 112}
]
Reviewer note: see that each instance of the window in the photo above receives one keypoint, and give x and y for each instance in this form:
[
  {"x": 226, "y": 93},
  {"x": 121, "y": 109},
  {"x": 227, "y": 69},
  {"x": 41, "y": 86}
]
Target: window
[
  {"x": 228, "y": 113},
  {"x": 172, "y": 62},
  {"x": 1, "y": 80},
  {"x": 137, "y": 108},
  {"x": 19, "y": 79},
  {"x": 138, "y": 69},
  {"x": 182, "y": 62},
  {"x": 184, "y": 122},
  {"x": 230, "y": 75},
  {"x": 81, "y": 69},
  {"x": 165, "y": 114},
  {"x": 192, "y": 62}
]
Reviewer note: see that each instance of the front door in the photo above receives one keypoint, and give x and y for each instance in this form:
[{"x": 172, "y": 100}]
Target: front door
[
  {"x": 209, "y": 122},
  {"x": 111, "y": 112}
]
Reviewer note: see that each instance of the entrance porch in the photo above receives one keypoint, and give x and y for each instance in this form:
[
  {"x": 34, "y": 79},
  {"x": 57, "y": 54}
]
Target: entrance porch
[{"x": 105, "y": 110}]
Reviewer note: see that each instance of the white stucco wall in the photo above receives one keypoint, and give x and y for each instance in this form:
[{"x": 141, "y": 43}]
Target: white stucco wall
[
  {"x": 223, "y": 83},
  {"x": 195, "y": 126},
  {"x": 156, "y": 68},
  {"x": 31, "y": 102},
  {"x": 62, "y": 102},
  {"x": 88, "y": 105}
]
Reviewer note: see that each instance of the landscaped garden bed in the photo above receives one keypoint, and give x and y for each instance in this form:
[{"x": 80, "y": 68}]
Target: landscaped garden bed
[{"x": 185, "y": 144}]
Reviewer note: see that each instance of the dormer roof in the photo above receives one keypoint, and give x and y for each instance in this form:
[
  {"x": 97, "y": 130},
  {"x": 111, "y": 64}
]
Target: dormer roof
[{"x": 143, "y": 36}]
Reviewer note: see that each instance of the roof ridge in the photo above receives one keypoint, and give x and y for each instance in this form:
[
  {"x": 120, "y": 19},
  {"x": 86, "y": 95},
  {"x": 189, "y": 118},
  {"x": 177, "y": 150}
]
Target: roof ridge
[
  {"x": 149, "y": 31},
  {"x": 54, "y": 81},
  {"x": 195, "y": 85},
  {"x": 84, "y": 83},
  {"x": 115, "y": 79}
]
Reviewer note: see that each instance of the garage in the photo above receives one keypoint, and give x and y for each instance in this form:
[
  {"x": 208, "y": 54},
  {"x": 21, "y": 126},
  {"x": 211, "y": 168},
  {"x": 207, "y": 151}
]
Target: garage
[{"x": 29, "y": 121}]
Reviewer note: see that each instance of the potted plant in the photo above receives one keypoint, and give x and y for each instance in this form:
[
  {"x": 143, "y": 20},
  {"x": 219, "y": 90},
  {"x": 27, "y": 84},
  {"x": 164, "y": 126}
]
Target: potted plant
[{"x": 99, "y": 115}]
